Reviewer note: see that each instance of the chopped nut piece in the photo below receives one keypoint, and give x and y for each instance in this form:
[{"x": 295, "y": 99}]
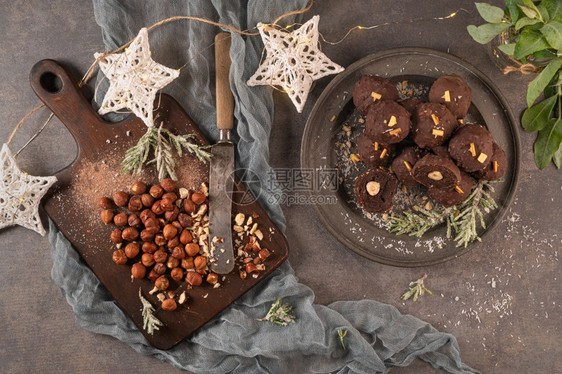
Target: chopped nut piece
[
  {"x": 404, "y": 188},
  {"x": 437, "y": 132},
  {"x": 204, "y": 189},
  {"x": 346, "y": 128},
  {"x": 182, "y": 298},
  {"x": 249, "y": 221},
  {"x": 428, "y": 206},
  {"x": 333, "y": 118},
  {"x": 354, "y": 157},
  {"x": 373, "y": 188},
  {"x": 254, "y": 228},
  {"x": 496, "y": 165},
  {"x": 259, "y": 234},
  {"x": 395, "y": 132},
  {"x": 435, "y": 175},
  {"x": 239, "y": 219},
  {"x": 376, "y": 145},
  {"x": 361, "y": 120},
  {"x": 183, "y": 193},
  {"x": 446, "y": 96},
  {"x": 161, "y": 296},
  {"x": 375, "y": 96},
  {"x": 435, "y": 119},
  {"x": 383, "y": 153},
  {"x": 238, "y": 228},
  {"x": 472, "y": 150},
  {"x": 459, "y": 190},
  {"x": 392, "y": 121},
  {"x": 461, "y": 121},
  {"x": 408, "y": 166},
  {"x": 384, "y": 216},
  {"x": 152, "y": 291},
  {"x": 482, "y": 158}
]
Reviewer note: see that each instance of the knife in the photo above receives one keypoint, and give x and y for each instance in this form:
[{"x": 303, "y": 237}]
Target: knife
[{"x": 222, "y": 165}]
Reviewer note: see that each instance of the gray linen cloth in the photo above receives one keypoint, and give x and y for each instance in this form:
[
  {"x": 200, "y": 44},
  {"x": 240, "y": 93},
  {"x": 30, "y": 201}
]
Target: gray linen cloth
[{"x": 379, "y": 336}]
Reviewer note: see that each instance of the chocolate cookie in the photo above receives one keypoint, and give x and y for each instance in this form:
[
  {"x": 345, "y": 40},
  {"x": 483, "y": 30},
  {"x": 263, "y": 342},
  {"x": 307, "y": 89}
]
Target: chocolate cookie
[
  {"x": 432, "y": 125},
  {"x": 453, "y": 196},
  {"x": 387, "y": 122},
  {"x": 375, "y": 190},
  {"x": 374, "y": 153},
  {"x": 471, "y": 147},
  {"x": 411, "y": 104},
  {"x": 371, "y": 89},
  {"x": 441, "y": 150},
  {"x": 436, "y": 171},
  {"x": 453, "y": 92},
  {"x": 497, "y": 166},
  {"x": 403, "y": 164}
]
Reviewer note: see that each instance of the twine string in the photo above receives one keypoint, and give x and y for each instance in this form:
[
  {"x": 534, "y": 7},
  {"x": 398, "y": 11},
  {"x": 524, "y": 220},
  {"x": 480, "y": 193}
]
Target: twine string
[
  {"x": 524, "y": 69},
  {"x": 35, "y": 135},
  {"x": 15, "y": 130}
]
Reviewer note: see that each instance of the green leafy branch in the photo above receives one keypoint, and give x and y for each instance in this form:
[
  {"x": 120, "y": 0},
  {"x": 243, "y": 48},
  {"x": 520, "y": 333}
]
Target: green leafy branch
[
  {"x": 162, "y": 143},
  {"x": 341, "y": 335},
  {"x": 150, "y": 322},
  {"x": 535, "y": 30},
  {"x": 463, "y": 219},
  {"x": 279, "y": 314},
  {"x": 417, "y": 289}
]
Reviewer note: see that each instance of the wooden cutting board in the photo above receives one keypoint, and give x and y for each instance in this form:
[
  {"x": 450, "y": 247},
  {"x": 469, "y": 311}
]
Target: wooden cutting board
[{"x": 72, "y": 203}]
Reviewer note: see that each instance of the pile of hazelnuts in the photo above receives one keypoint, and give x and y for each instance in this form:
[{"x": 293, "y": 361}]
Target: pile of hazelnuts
[{"x": 153, "y": 232}]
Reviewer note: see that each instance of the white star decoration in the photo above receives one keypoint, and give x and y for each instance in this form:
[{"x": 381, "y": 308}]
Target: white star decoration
[
  {"x": 293, "y": 61},
  {"x": 134, "y": 78},
  {"x": 20, "y": 194}
]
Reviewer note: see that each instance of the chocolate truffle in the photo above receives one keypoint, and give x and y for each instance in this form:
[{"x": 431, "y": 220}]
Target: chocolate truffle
[
  {"x": 411, "y": 104},
  {"x": 403, "y": 164},
  {"x": 453, "y": 92},
  {"x": 471, "y": 147},
  {"x": 432, "y": 125},
  {"x": 453, "y": 196},
  {"x": 375, "y": 190},
  {"x": 374, "y": 153},
  {"x": 436, "y": 171},
  {"x": 387, "y": 122},
  {"x": 371, "y": 89},
  {"x": 441, "y": 150},
  {"x": 497, "y": 166}
]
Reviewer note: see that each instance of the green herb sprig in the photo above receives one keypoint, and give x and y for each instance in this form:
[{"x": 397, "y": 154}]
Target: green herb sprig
[
  {"x": 279, "y": 314},
  {"x": 417, "y": 288},
  {"x": 535, "y": 30},
  {"x": 161, "y": 143},
  {"x": 341, "y": 334},
  {"x": 150, "y": 322},
  {"x": 463, "y": 219}
]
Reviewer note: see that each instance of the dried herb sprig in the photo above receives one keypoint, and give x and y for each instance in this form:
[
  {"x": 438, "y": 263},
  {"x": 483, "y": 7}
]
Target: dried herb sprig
[
  {"x": 150, "y": 322},
  {"x": 461, "y": 219},
  {"x": 341, "y": 334},
  {"x": 279, "y": 314},
  {"x": 417, "y": 288},
  {"x": 162, "y": 144}
]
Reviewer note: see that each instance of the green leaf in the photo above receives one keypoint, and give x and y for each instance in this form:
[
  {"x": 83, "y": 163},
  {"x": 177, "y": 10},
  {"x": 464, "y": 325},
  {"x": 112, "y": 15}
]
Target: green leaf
[
  {"x": 538, "y": 85},
  {"x": 525, "y": 21},
  {"x": 511, "y": 6},
  {"x": 545, "y": 53},
  {"x": 531, "y": 5},
  {"x": 543, "y": 12},
  {"x": 536, "y": 117},
  {"x": 528, "y": 11},
  {"x": 557, "y": 158},
  {"x": 529, "y": 43},
  {"x": 548, "y": 142},
  {"x": 490, "y": 13},
  {"x": 554, "y": 7},
  {"x": 508, "y": 49},
  {"x": 485, "y": 33},
  {"x": 552, "y": 31}
]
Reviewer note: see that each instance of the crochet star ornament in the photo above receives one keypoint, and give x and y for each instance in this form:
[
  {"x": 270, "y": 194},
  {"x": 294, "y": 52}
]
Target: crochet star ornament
[
  {"x": 134, "y": 78},
  {"x": 293, "y": 61},
  {"x": 20, "y": 194}
]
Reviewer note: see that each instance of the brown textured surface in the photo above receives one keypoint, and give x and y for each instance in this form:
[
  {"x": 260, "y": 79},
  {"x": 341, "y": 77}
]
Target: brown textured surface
[{"x": 510, "y": 282}]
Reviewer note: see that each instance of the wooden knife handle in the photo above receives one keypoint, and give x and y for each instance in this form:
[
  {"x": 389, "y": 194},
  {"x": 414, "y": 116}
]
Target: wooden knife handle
[{"x": 225, "y": 100}]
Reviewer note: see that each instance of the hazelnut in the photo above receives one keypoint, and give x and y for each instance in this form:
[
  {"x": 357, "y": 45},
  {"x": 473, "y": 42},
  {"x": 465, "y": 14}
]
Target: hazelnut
[
  {"x": 130, "y": 234},
  {"x": 187, "y": 263},
  {"x": 186, "y": 237},
  {"x": 132, "y": 249},
  {"x": 162, "y": 283},
  {"x": 138, "y": 271},
  {"x": 188, "y": 206},
  {"x": 138, "y": 188},
  {"x": 157, "y": 208},
  {"x": 116, "y": 236},
  {"x": 198, "y": 198},
  {"x": 147, "y": 259},
  {"x": 168, "y": 185},
  {"x": 135, "y": 204},
  {"x": 134, "y": 221},
  {"x": 170, "y": 195},
  {"x": 178, "y": 253},
  {"x": 200, "y": 262},
  {"x": 121, "y": 198},
  {"x": 152, "y": 226},
  {"x": 146, "y": 236},
  {"x": 149, "y": 247},
  {"x": 171, "y": 215},
  {"x": 172, "y": 243},
  {"x": 176, "y": 274},
  {"x": 169, "y": 231},
  {"x": 172, "y": 262},
  {"x": 212, "y": 278},
  {"x": 373, "y": 188},
  {"x": 160, "y": 240},
  {"x": 159, "y": 268},
  {"x": 105, "y": 203},
  {"x": 435, "y": 175},
  {"x": 167, "y": 204},
  {"x": 193, "y": 278},
  {"x": 160, "y": 256},
  {"x": 106, "y": 216},
  {"x": 184, "y": 219},
  {"x": 147, "y": 200},
  {"x": 169, "y": 305},
  {"x": 263, "y": 254},
  {"x": 192, "y": 249},
  {"x": 119, "y": 257},
  {"x": 178, "y": 226},
  {"x": 156, "y": 192},
  {"x": 120, "y": 219},
  {"x": 243, "y": 274},
  {"x": 152, "y": 275},
  {"x": 146, "y": 214}
]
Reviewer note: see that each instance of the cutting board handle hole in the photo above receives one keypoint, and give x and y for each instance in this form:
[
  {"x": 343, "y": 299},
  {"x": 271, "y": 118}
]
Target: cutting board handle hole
[{"x": 50, "y": 82}]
